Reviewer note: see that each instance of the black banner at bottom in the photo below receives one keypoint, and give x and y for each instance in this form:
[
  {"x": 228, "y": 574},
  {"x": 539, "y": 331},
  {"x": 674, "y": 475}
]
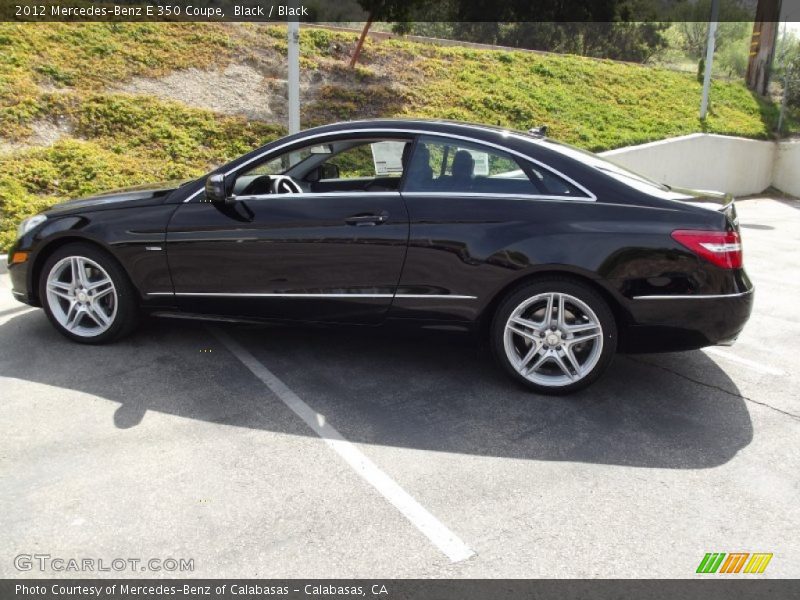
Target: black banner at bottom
[{"x": 399, "y": 589}]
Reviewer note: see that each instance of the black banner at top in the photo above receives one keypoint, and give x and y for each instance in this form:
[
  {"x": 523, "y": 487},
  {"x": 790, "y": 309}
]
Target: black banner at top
[{"x": 332, "y": 11}]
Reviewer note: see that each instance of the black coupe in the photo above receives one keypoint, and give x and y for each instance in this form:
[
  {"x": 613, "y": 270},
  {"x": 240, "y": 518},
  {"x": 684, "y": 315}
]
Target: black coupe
[{"x": 560, "y": 256}]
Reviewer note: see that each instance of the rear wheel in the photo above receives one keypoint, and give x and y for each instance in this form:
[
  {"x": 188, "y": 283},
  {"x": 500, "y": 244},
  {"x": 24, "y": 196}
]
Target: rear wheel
[
  {"x": 555, "y": 336},
  {"x": 87, "y": 295}
]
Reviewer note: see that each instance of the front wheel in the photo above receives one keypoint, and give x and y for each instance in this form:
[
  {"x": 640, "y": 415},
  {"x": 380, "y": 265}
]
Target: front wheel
[
  {"x": 555, "y": 336},
  {"x": 87, "y": 295}
]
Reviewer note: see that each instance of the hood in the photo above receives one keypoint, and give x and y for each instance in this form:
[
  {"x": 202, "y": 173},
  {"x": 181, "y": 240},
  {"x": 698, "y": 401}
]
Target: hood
[{"x": 140, "y": 195}]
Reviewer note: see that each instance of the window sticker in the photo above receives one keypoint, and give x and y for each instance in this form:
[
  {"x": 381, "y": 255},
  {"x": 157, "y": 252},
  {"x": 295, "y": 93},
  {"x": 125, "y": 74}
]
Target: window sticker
[
  {"x": 388, "y": 157},
  {"x": 481, "y": 162}
]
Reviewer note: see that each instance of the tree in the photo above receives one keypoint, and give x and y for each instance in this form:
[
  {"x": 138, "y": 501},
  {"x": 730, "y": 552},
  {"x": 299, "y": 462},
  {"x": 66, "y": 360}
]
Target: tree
[
  {"x": 762, "y": 51},
  {"x": 604, "y": 28},
  {"x": 733, "y": 58},
  {"x": 382, "y": 10},
  {"x": 787, "y": 69},
  {"x": 734, "y": 24}
]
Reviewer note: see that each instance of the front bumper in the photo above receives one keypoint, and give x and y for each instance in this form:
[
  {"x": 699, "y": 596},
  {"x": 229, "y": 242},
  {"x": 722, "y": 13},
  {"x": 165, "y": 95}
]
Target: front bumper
[
  {"x": 18, "y": 273},
  {"x": 673, "y": 323}
]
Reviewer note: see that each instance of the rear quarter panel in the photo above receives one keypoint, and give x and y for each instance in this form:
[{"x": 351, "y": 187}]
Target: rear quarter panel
[{"x": 481, "y": 246}]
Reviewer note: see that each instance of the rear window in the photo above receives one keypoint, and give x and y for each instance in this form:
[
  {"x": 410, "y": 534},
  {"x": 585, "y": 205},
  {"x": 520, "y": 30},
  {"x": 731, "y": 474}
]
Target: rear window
[
  {"x": 621, "y": 174},
  {"x": 444, "y": 165}
]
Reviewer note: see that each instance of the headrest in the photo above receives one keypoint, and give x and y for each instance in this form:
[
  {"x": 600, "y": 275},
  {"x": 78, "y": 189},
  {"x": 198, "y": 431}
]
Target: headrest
[{"x": 463, "y": 165}]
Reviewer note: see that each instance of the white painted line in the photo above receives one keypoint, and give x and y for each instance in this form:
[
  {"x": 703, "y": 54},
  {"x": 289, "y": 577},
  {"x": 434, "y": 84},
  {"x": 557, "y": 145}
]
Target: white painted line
[
  {"x": 756, "y": 366},
  {"x": 441, "y": 537}
]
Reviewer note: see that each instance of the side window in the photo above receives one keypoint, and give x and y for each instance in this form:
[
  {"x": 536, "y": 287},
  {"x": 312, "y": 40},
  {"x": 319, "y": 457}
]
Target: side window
[
  {"x": 256, "y": 180},
  {"x": 442, "y": 165},
  {"x": 552, "y": 184},
  {"x": 280, "y": 164},
  {"x": 369, "y": 159},
  {"x": 339, "y": 165}
]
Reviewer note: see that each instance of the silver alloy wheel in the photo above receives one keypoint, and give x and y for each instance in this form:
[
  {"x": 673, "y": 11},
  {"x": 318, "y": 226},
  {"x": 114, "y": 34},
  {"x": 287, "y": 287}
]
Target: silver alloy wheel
[
  {"x": 81, "y": 296},
  {"x": 553, "y": 339}
]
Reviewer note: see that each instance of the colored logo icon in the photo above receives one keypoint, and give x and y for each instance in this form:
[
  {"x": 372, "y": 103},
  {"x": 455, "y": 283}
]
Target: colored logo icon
[{"x": 735, "y": 562}]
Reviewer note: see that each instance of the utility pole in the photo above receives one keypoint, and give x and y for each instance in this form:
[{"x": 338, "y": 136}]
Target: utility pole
[
  {"x": 762, "y": 45},
  {"x": 293, "y": 80},
  {"x": 712, "y": 38}
]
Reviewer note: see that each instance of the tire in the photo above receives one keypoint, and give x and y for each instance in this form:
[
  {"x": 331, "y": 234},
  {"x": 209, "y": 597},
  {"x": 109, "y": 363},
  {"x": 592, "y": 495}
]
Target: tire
[
  {"x": 101, "y": 308},
  {"x": 552, "y": 356}
]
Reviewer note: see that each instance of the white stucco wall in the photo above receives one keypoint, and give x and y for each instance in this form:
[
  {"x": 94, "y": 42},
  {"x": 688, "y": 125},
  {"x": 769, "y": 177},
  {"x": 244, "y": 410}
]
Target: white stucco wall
[
  {"x": 705, "y": 161},
  {"x": 787, "y": 168}
]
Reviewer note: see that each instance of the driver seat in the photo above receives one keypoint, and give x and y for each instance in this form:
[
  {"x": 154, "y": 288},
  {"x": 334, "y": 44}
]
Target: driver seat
[{"x": 420, "y": 173}]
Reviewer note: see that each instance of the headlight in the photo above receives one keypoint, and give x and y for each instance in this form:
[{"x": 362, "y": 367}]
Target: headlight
[{"x": 29, "y": 224}]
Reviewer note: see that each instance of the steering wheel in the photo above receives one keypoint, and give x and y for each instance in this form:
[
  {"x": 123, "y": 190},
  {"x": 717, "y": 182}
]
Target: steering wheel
[{"x": 283, "y": 184}]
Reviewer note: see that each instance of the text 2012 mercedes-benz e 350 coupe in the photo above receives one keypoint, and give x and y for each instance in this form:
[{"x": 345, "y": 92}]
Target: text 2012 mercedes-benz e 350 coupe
[{"x": 561, "y": 255}]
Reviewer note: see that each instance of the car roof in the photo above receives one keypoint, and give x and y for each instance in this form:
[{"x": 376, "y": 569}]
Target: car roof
[{"x": 419, "y": 124}]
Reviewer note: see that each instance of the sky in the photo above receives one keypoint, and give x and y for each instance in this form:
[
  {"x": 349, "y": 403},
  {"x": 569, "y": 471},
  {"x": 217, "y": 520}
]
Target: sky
[
  {"x": 790, "y": 12},
  {"x": 792, "y": 26}
]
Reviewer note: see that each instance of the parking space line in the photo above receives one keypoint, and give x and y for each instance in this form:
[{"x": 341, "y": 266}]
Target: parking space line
[
  {"x": 441, "y": 537},
  {"x": 756, "y": 366}
]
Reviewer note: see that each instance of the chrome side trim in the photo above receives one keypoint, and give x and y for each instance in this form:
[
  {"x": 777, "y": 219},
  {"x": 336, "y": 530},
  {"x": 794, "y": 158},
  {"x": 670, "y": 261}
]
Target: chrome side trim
[
  {"x": 339, "y": 295},
  {"x": 589, "y": 195},
  {"x": 453, "y": 195},
  {"x": 435, "y": 296},
  {"x": 456, "y": 195},
  {"x": 698, "y": 297},
  {"x": 271, "y": 295},
  {"x": 320, "y": 195}
]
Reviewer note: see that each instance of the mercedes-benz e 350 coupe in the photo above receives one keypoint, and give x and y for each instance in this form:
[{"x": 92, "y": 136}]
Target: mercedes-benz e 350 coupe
[{"x": 560, "y": 256}]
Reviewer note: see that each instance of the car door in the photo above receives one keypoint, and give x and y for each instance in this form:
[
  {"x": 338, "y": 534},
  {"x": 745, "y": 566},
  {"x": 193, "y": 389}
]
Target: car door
[
  {"x": 473, "y": 209},
  {"x": 312, "y": 256}
]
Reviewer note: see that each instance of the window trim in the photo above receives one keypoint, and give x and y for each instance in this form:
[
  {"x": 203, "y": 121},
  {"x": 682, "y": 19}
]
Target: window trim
[
  {"x": 365, "y": 141},
  {"x": 416, "y": 133},
  {"x": 522, "y": 166},
  {"x": 502, "y": 195},
  {"x": 348, "y": 194}
]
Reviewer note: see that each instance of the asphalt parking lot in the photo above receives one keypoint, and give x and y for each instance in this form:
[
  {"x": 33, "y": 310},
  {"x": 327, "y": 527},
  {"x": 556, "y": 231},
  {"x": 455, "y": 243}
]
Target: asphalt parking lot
[{"x": 281, "y": 452}]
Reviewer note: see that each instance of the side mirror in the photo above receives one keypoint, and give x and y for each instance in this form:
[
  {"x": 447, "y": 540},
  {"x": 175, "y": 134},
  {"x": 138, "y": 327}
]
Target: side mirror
[
  {"x": 323, "y": 171},
  {"x": 329, "y": 171},
  {"x": 215, "y": 189}
]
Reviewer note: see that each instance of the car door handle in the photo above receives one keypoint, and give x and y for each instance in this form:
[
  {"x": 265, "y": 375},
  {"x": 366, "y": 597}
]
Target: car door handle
[{"x": 367, "y": 220}]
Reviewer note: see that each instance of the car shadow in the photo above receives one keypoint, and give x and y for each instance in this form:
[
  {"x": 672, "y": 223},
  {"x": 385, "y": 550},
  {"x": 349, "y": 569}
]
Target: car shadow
[{"x": 393, "y": 387}]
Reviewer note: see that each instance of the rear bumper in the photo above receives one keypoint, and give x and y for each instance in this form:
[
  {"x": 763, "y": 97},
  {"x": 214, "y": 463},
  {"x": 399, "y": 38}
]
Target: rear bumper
[{"x": 672, "y": 323}]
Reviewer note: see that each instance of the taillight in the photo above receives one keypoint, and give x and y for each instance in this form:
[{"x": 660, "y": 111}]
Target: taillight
[{"x": 721, "y": 248}]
